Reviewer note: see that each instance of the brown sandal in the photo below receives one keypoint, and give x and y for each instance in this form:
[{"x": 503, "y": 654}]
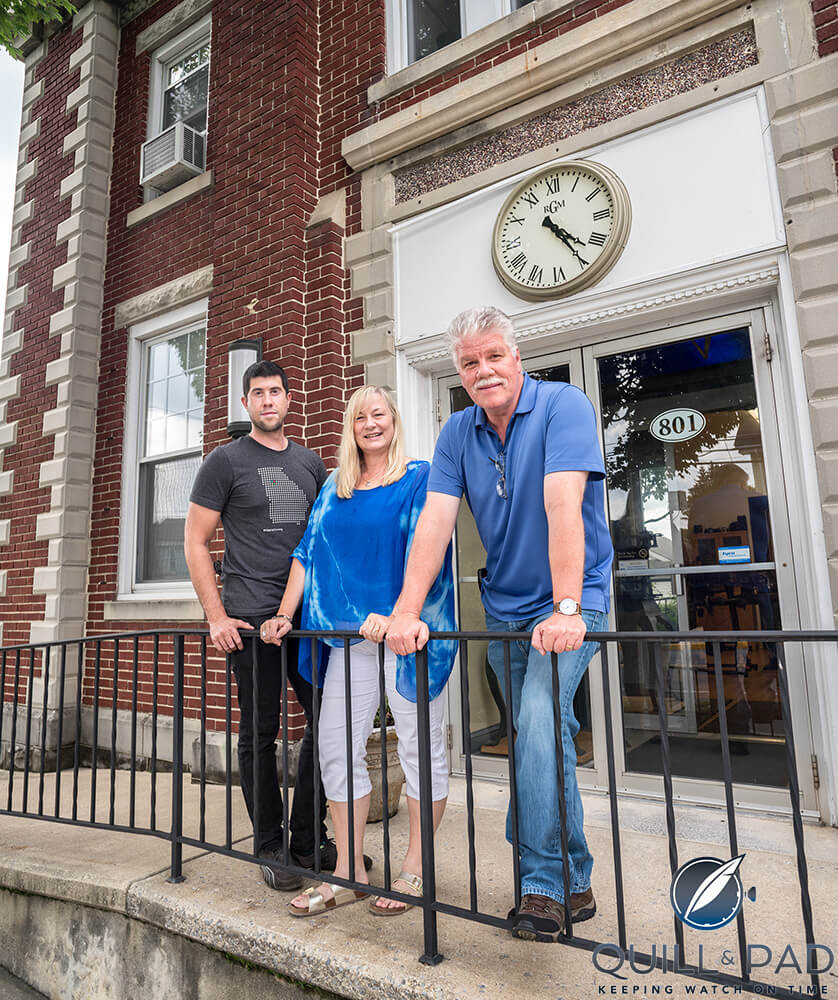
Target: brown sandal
[
  {"x": 415, "y": 883},
  {"x": 317, "y": 904}
]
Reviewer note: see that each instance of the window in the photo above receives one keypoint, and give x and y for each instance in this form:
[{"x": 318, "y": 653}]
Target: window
[
  {"x": 180, "y": 81},
  {"x": 186, "y": 82},
  {"x": 417, "y": 28},
  {"x": 164, "y": 432}
]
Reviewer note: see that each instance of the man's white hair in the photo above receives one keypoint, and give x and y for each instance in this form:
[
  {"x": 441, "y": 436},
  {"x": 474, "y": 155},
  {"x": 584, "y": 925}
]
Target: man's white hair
[{"x": 479, "y": 320}]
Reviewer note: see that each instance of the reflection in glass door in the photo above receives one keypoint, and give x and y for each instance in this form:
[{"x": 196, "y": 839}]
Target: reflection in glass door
[
  {"x": 489, "y": 737},
  {"x": 689, "y": 515}
]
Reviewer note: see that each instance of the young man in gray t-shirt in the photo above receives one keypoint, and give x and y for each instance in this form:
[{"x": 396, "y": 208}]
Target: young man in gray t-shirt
[{"x": 261, "y": 487}]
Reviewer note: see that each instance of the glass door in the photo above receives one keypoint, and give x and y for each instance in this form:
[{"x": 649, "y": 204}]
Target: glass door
[
  {"x": 697, "y": 510},
  {"x": 488, "y": 737},
  {"x": 697, "y": 514}
]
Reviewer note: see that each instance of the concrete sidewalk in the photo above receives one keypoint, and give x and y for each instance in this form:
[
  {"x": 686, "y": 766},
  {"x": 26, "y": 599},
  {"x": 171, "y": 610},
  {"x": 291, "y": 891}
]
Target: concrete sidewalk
[{"x": 91, "y": 914}]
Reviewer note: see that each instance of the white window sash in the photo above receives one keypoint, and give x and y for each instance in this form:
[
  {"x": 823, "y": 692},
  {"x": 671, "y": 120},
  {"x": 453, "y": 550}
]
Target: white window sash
[{"x": 139, "y": 336}]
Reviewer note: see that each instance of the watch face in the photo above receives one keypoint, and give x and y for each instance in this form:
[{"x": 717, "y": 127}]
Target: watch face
[
  {"x": 568, "y": 606},
  {"x": 561, "y": 230}
]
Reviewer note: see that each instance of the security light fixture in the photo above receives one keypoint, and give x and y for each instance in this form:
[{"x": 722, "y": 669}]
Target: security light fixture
[{"x": 241, "y": 354}]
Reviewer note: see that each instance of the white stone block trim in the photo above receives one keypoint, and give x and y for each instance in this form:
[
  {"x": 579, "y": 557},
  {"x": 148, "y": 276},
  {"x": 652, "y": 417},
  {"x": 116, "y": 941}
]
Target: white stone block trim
[
  {"x": 16, "y": 297},
  {"x": 63, "y": 580}
]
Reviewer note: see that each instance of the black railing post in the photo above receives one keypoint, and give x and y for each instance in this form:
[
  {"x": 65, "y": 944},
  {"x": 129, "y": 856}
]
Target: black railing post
[
  {"x": 385, "y": 784},
  {"x": 60, "y": 737},
  {"x": 432, "y": 955},
  {"x": 176, "y": 874},
  {"x": 466, "y": 721},
  {"x": 561, "y": 790},
  {"x": 350, "y": 775},
  {"x": 794, "y": 796},
  {"x": 513, "y": 773},
  {"x": 727, "y": 772},
  {"x": 612, "y": 797},
  {"x": 13, "y": 737},
  {"x": 666, "y": 762}
]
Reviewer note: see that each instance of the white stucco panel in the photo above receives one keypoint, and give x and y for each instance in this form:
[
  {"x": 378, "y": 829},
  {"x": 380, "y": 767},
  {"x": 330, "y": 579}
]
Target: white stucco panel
[{"x": 702, "y": 191}]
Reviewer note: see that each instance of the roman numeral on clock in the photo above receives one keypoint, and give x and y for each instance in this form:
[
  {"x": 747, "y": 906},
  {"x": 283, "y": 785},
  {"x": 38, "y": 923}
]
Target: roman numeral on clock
[
  {"x": 558, "y": 275},
  {"x": 513, "y": 244},
  {"x": 597, "y": 239},
  {"x": 552, "y": 185},
  {"x": 514, "y": 218},
  {"x": 536, "y": 274},
  {"x": 530, "y": 198},
  {"x": 592, "y": 195},
  {"x": 517, "y": 264},
  {"x": 603, "y": 213}
]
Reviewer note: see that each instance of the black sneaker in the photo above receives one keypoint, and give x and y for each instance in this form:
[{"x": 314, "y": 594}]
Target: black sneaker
[
  {"x": 328, "y": 857},
  {"x": 276, "y": 877}
]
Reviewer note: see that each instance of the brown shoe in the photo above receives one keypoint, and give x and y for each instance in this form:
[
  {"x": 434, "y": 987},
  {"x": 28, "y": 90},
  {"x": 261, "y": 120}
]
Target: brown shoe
[
  {"x": 582, "y": 906},
  {"x": 540, "y": 918}
]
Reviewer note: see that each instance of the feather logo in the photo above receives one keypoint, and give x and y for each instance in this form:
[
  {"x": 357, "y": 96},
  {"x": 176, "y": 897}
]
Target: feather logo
[
  {"x": 707, "y": 892},
  {"x": 713, "y": 885}
]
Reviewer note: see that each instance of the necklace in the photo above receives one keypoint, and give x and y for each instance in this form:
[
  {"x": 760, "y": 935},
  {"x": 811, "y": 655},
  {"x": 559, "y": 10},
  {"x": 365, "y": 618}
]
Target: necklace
[{"x": 369, "y": 481}]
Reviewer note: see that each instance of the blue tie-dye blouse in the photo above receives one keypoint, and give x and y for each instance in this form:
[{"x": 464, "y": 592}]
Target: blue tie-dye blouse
[{"x": 354, "y": 553}]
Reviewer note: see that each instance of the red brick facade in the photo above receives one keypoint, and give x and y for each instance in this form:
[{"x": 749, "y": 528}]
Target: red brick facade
[
  {"x": 289, "y": 81},
  {"x": 826, "y": 25},
  {"x": 24, "y": 552}
]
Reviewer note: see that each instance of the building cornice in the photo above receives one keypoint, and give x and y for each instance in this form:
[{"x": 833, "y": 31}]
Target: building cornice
[
  {"x": 599, "y": 42},
  {"x": 723, "y": 286}
]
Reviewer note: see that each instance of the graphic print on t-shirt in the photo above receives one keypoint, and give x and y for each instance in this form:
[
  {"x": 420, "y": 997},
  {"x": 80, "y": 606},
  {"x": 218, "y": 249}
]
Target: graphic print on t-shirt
[{"x": 288, "y": 503}]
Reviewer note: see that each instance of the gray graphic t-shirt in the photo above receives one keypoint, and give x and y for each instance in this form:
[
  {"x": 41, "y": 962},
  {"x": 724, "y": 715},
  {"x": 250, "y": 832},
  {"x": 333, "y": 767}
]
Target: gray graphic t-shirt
[{"x": 264, "y": 497}]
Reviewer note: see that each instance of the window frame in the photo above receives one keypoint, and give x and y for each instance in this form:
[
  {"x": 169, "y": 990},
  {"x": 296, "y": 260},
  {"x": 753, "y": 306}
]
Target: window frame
[
  {"x": 162, "y": 57},
  {"x": 472, "y": 19},
  {"x": 141, "y": 336}
]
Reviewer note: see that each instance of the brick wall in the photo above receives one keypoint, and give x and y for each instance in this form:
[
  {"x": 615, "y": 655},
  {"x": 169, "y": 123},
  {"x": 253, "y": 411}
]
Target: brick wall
[
  {"x": 19, "y": 607},
  {"x": 273, "y": 152},
  {"x": 826, "y": 26}
]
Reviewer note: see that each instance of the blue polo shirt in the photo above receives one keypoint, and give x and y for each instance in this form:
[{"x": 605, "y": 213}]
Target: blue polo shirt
[{"x": 553, "y": 429}]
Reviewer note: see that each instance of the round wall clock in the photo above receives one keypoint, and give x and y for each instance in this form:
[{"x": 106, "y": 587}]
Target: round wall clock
[{"x": 561, "y": 230}]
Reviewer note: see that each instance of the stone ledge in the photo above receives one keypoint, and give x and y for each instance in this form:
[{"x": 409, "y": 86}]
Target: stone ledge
[
  {"x": 165, "y": 201},
  {"x": 626, "y": 30},
  {"x": 170, "y": 609},
  {"x": 465, "y": 48}
]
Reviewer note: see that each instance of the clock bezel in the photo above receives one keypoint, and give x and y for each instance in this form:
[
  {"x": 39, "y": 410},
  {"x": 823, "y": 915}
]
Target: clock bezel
[{"x": 611, "y": 251}]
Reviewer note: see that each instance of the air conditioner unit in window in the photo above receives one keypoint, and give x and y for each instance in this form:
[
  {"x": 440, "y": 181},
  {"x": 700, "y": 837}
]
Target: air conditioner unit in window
[{"x": 172, "y": 157}]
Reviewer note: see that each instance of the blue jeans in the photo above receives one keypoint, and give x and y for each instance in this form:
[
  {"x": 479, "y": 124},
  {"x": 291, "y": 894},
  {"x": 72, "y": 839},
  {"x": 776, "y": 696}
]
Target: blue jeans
[{"x": 539, "y": 828}]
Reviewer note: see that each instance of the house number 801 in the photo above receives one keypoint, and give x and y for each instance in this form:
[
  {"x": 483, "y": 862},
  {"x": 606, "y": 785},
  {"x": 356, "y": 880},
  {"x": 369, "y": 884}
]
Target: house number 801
[{"x": 679, "y": 424}]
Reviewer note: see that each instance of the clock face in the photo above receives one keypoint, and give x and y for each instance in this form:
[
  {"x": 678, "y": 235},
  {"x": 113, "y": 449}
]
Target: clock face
[{"x": 561, "y": 230}]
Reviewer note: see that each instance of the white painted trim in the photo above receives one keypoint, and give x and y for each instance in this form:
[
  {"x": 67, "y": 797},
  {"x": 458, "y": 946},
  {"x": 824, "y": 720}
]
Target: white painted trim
[
  {"x": 138, "y": 335},
  {"x": 402, "y": 74}
]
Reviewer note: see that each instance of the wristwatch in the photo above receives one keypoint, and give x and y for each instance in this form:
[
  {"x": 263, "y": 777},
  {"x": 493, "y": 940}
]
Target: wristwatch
[{"x": 566, "y": 606}]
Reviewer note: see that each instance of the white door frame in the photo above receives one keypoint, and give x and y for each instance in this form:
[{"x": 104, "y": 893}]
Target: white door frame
[{"x": 582, "y": 359}]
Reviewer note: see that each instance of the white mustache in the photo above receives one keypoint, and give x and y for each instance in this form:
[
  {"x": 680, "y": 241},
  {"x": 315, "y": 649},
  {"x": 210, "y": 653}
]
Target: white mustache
[{"x": 484, "y": 382}]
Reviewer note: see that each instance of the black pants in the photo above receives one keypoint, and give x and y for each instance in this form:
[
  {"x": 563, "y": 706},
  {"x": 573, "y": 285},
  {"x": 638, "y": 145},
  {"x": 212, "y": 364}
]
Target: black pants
[{"x": 269, "y": 835}]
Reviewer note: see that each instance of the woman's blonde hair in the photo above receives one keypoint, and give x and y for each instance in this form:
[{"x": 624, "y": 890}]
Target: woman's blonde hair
[{"x": 349, "y": 454}]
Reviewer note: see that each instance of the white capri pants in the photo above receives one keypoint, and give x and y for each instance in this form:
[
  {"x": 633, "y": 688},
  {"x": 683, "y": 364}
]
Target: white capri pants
[{"x": 365, "y": 702}]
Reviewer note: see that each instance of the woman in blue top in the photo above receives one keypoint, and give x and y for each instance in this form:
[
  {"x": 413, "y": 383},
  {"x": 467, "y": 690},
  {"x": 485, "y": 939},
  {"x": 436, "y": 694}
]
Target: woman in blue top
[{"x": 348, "y": 571}]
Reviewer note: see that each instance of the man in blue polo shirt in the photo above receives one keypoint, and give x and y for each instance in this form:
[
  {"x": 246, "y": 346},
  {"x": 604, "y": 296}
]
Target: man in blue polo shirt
[{"x": 527, "y": 459}]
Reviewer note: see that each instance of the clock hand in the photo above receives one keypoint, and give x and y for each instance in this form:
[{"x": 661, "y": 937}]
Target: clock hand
[{"x": 565, "y": 237}]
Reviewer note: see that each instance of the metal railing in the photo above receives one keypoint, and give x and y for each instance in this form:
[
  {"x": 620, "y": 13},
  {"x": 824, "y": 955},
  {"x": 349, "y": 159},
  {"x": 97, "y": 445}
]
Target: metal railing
[{"x": 149, "y": 657}]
